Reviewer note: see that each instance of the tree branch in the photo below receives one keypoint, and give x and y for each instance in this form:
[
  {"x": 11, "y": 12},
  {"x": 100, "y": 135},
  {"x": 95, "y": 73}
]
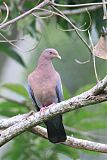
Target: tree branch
[
  {"x": 90, "y": 6},
  {"x": 89, "y": 97},
  {"x": 5, "y": 123},
  {"x": 20, "y": 123},
  {"x": 41, "y": 5},
  {"x": 73, "y": 142},
  {"x": 93, "y": 96}
]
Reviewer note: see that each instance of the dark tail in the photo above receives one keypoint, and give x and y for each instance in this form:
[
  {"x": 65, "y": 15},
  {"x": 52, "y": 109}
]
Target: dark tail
[{"x": 55, "y": 129}]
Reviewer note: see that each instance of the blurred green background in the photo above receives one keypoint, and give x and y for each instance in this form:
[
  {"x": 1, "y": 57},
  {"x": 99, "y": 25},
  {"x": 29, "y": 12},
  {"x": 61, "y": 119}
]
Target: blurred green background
[{"x": 33, "y": 36}]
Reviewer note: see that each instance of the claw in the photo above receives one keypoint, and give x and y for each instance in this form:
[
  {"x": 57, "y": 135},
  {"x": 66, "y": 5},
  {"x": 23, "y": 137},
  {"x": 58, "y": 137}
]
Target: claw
[{"x": 42, "y": 110}]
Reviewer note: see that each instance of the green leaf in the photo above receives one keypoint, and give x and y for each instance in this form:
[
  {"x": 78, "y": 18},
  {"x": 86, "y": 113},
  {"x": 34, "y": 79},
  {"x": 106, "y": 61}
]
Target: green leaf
[
  {"x": 67, "y": 151},
  {"x": 17, "y": 88},
  {"x": 6, "y": 49},
  {"x": 11, "y": 109},
  {"x": 15, "y": 152}
]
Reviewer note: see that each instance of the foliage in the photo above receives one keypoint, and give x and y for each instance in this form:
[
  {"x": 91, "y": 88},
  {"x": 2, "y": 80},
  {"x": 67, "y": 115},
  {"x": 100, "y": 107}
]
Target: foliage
[
  {"x": 76, "y": 79},
  {"x": 82, "y": 120},
  {"x": 17, "y": 7}
]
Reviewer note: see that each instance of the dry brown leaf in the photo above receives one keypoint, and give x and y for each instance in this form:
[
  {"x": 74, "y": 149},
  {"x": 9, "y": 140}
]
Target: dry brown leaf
[{"x": 100, "y": 49}]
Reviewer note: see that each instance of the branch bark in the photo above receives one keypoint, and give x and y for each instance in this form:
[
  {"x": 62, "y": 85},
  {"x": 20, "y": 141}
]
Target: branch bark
[
  {"x": 41, "y": 5},
  {"x": 95, "y": 95},
  {"x": 90, "y": 6},
  {"x": 19, "y": 124},
  {"x": 73, "y": 142},
  {"x": 71, "y": 12}
]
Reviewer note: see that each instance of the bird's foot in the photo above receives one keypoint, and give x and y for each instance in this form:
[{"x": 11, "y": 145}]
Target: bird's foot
[{"x": 42, "y": 110}]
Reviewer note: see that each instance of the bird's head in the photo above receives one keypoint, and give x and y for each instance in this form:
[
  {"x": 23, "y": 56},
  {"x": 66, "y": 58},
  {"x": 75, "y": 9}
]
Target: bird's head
[{"x": 50, "y": 53}]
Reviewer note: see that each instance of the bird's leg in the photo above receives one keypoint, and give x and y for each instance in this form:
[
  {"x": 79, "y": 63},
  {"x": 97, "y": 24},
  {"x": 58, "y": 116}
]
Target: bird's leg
[{"x": 42, "y": 110}]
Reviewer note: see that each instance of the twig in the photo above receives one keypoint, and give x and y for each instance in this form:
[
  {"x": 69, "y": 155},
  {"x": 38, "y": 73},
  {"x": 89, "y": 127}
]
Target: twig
[
  {"x": 7, "y": 14},
  {"x": 80, "y": 10},
  {"x": 11, "y": 43},
  {"x": 93, "y": 96},
  {"x": 79, "y": 28},
  {"x": 69, "y": 12},
  {"x": 15, "y": 46},
  {"x": 69, "y": 30},
  {"x": 78, "y": 5},
  {"x": 44, "y": 3},
  {"x": 75, "y": 28},
  {"x": 104, "y": 9},
  {"x": 95, "y": 70},
  {"x": 68, "y": 20},
  {"x": 94, "y": 62},
  {"x": 48, "y": 16},
  {"x": 80, "y": 62},
  {"x": 11, "y": 40},
  {"x": 77, "y": 32}
]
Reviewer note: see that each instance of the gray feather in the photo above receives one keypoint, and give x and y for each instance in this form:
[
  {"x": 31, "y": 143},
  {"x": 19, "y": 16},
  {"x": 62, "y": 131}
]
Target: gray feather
[
  {"x": 59, "y": 91},
  {"x": 31, "y": 94}
]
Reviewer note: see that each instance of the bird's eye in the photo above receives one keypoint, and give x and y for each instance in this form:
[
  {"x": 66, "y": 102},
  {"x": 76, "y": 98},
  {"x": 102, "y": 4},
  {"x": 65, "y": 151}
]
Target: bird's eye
[{"x": 50, "y": 52}]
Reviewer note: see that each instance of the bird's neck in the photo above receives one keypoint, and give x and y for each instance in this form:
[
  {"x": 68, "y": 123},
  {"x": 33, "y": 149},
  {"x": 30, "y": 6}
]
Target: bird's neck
[{"x": 45, "y": 64}]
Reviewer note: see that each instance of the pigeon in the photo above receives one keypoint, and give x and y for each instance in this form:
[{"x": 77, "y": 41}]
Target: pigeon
[{"x": 45, "y": 89}]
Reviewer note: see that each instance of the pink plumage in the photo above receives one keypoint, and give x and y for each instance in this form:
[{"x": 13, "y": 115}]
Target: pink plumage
[{"x": 45, "y": 89}]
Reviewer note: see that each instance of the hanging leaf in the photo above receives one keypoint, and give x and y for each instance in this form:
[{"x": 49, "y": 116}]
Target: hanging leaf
[
  {"x": 5, "y": 49},
  {"x": 100, "y": 49},
  {"x": 17, "y": 88},
  {"x": 10, "y": 109}
]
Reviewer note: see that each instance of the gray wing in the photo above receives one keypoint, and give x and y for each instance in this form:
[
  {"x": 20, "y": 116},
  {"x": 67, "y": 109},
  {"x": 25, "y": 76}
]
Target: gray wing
[
  {"x": 31, "y": 94},
  {"x": 59, "y": 91}
]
